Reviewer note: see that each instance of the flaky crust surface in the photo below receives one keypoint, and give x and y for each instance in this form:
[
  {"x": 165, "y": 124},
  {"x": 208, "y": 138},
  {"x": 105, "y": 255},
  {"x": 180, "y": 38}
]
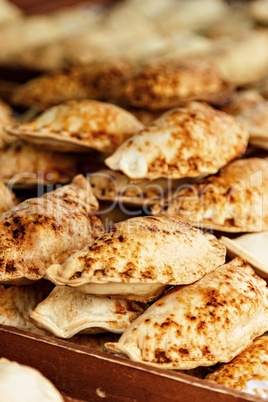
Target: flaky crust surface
[
  {"x": 201, "y": 324},
  {"x": 185, "y": 142}
]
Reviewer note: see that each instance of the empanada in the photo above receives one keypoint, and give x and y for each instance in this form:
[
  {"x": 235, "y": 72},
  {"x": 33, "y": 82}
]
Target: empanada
[
  {"x": 253, "y": 248},
  {"x": 25, "y": 165},
  {"x": 210, "y": 321},
  {"x": 139, "y": 257},
  {"x": 25, "y": 384},
  {"x": 248, "y": 372},
  {"x": 7, "y": 198},
  {"x": 91, "y": 81},
  {"x": 167, "y": 84},
  {"x": 185, "y": 142},
  {"x": 66, "y": 312},
  {"x": 6, "y": 119},
  {"x": 234, "y": 200},
  {"x": 255, "y": 121},
  {"x": 17, "y": 303},
  {"x": 79, "y": 126},
  {"x": 110, "y": 185},
  {"x": 242, "y": 101},
  {"x": 46, "y": 230}
]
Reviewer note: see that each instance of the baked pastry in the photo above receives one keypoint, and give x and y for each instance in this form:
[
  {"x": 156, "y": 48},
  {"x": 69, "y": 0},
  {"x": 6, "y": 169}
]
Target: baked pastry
[
  {"x": 243, "y": 59},
  {"x": 139, "y": 258},
  {"x": 7, "y": 198},
  {"x": 243, "y": 100},
  {"x": 79, "y": 126},
  {"x": 255, "y": 121},
  {"x": 17, "y": 303},
  {"x": 24, "y": 165},
  {"x": 66, "y": 312},
  {"x": 41, "y": 231},
  {"x": 189, "y": 141},
  {"x": 210, "y": 321},
  {"x": 234, "y": 200},
  {"x": 166, "y": 84},
  {"x": 113, "y": 186},
  {"x": 248, "y": 371},
  {"x": 252, "y": 247},
  {"x": 91, "y": 81},
  {"x": 30, "y": 386},
  {"x": 6, "y": 119}
]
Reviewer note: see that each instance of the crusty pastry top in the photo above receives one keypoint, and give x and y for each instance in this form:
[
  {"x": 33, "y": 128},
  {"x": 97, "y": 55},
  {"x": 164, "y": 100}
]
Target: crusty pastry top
[
  {"x": 184, "y": 142},
  {"x": 143, "y": 250},
  {"x": 234, "y": 200},
  {"x": 66, "y": 312},
  {"x": 201, "y": 324},
  {"x": 243, "y": 100},
  {"x": 167, "y": 84},
  {"x": 23, "y": 164},
  {"x": 45, "y": 230},
  {"x": 255, "y": 121},
  {"x": 248, "y": 371},
  {"x": 91, "y": 81},
  {"x": 78, "y": 126}
]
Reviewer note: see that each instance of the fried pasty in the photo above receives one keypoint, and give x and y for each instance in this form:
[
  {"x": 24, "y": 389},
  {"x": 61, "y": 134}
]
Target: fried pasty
[
  {"x": 138, "y": 256},
  {"x": 41, "y": 231},
  {"x": 66, "y": 312},
  {"x": 234, "y": 200},
  {"x": 210, "y": 321},
  {"x": 79, "y": 126},
  {"x": 185, "y": 142},
  {"x": 247, "y": 372},
  {"x": 167, "y": 84}
]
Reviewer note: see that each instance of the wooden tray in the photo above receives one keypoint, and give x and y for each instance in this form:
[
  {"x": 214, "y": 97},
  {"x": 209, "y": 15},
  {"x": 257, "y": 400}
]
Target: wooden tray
[{"x": 89, "y": 375}]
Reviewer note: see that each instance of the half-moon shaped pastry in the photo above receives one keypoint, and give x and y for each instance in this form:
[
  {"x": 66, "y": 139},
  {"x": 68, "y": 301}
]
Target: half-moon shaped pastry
[
  {"x": 210, "y": 321},
  {"x": 252, "y": 247},
  {"x": 140, "y": 256},
  {"x": 24, "y": 383},
  {"x": 234, "y": 200},
  {"x": 41, "y": 231},
  {"x": 255, "y": 121},
  {"x": 243, "y": 100},
  {"x": 66, "y": 312},
  {"x": 91, "y": 81},
  {"x": 167, "y": 84},
  {"x": 247, "y": 372},
  {"x": 185, "y": 142},
  {"x": 79, "y": 126},
  {"x": 110, "y": 185},
  {"x": 24, "y": 165}
]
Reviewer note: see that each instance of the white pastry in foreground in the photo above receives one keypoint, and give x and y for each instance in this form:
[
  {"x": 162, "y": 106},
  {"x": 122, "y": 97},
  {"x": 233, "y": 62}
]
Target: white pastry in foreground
[
  {"x": 20, "y": 383},
  {"x": 248, "y": 372},
  {"x": 66, "y": 312},
  {"x": 253, "y": 248},
  {"x": 188, "y": 141},
  {"x": 210, "y": 321},
  {"x": 139, "y": 257}
]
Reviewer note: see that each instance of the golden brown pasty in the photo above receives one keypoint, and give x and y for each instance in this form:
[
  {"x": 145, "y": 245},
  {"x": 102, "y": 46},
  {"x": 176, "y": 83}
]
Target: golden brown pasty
[
  {"x": 45, "y": 230},
  {"x": 210, "y": 321},
  {"x": 79, "y": 126},
  {"x": 235, "y": 200},
  {"x": 255, "y": 121},
  {"x": 91, "y": 81},
  {"x": 66, "y": 312},
  {"x": 140, "y": 256},
  {"x": 24, "y": 165},
  {"x": 242, "y": 101},
  {"x": 17, "y": 303},
  {"x": 6, "y": 119},
  {"x": 110, "y": 185},
  {"x": 188, "y": 141},
  {"x": 170, "y": 83},
  {"x": 247, "y": 372}
]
